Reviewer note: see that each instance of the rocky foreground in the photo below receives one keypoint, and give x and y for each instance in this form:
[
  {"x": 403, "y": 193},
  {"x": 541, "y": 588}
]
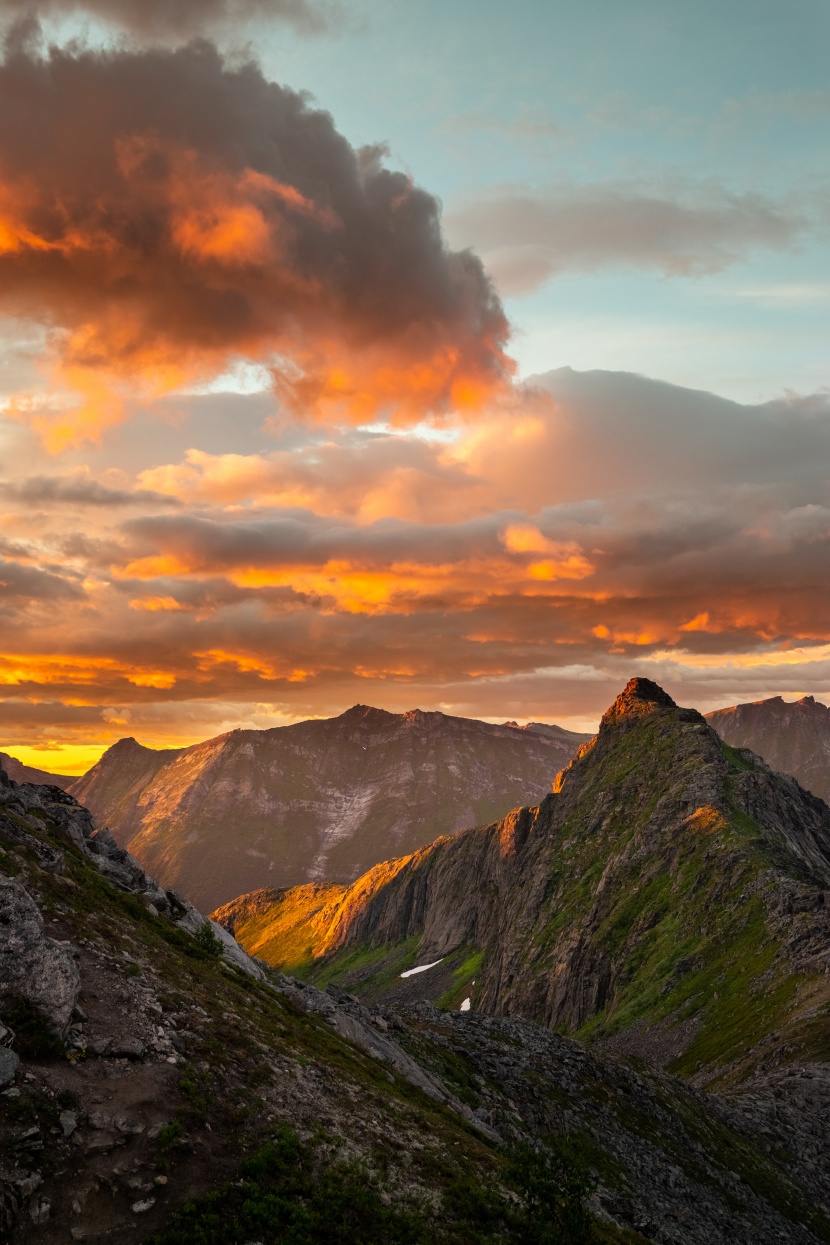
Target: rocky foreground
[{"x": 145, "y": 1056}]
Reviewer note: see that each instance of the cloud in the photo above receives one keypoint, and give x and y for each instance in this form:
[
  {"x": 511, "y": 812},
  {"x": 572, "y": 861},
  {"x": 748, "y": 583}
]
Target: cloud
[
  {"x": 164, "y": 214},
  {"x": 78, "y": 489},
  {"x": 161, "y": 19},
  {"x": 29, "y": 584},
  {"x": 605, "y": 525},
  {"x": 367, "y": 476},
  {"x": 528, "y": 236}
]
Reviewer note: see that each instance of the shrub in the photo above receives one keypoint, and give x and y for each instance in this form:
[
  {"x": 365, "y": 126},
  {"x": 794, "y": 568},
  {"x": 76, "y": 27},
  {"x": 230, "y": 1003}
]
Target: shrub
[
  {"x": 207, "y": 941},
  {"x": 34, "y": 1036}
]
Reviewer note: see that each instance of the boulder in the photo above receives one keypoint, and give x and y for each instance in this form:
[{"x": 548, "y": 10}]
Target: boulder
[
  {"x": 32, "y": 965},
  {"x": 9, "y": 1064}
]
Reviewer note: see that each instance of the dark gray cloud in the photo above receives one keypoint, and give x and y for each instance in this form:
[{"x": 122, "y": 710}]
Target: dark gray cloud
[
  {"x": 165, "y": 214},
  {"x": 163, "y": 19},
  {"x": 78, "y": 489},
  {"x": 24, "y": 584},
  {"x": 528, "y": 236}
]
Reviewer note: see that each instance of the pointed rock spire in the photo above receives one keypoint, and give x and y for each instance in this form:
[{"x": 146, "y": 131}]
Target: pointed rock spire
[{"x": 640, "y": 696}]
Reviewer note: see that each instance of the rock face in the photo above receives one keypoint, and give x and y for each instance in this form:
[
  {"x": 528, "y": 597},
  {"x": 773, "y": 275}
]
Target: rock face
[
  {"x": 19, "y": 772},
  {"x": 670, "y": 898},
  {"x": 792, "y": 737},
  {"x": 31, "y": 964},
  {"x": 317, "y": 799}
]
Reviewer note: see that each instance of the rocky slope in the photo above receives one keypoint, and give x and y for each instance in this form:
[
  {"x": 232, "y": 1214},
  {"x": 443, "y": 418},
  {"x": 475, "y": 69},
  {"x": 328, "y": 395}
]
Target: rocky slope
[
  {"x": 792, "y": 737},
  {"x": 19, "y": 772},
  {"x": 322, "y": 798},
  {"x": 670, "y": 898},
  {"x": 140, "y": 1062}
]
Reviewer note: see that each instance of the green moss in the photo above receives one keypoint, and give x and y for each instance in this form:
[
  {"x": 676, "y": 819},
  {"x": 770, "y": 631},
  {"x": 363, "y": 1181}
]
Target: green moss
[{"x": 463, "y": 977}]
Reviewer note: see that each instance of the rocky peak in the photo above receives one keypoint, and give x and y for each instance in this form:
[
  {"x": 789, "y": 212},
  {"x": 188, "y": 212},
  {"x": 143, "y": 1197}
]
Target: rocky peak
[{"x": 639, "y": 696}]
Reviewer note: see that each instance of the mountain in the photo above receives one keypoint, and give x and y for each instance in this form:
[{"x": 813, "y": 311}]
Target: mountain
[
  {"x": 669, "y": 898},
  {"x": 159, "y": 1086},
  {"x": 19, "y": 772},
  {"x": 320, "y": 798},
  {"x": 792, "y": 737}
]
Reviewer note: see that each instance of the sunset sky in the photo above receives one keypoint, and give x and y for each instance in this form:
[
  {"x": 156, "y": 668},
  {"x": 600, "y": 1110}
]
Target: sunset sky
[{"x": 454, "y": 355}]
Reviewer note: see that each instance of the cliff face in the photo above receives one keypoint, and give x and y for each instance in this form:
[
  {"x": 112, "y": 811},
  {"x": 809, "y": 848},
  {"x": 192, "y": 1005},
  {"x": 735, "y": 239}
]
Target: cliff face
[
  {"x": 18, "y": 772},
  {"x": 316, "y": 799},
  {"x": 792, "y": 737},
  {"x": 670, "y": 897}
]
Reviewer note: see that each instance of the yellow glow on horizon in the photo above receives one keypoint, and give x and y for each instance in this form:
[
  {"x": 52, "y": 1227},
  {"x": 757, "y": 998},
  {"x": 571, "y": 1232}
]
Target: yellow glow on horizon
[
  {"x": 743, "y": 661},
  {"x": 57, "y": 758}
]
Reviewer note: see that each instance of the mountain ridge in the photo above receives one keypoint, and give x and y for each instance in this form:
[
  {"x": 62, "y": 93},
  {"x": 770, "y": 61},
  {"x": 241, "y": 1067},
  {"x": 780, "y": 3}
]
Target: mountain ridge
[
  {"x": 324, "y": 797},
  {"x": 792, "y": 736},
  {"x": 18, "y": 772}
]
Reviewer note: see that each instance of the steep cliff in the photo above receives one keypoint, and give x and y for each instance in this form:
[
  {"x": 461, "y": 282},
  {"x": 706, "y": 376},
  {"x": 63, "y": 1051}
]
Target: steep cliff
[
  {"x": 669, "y": 897},
  {"x": 317, "y": 799},
  {"x": 792, "y": 737}
]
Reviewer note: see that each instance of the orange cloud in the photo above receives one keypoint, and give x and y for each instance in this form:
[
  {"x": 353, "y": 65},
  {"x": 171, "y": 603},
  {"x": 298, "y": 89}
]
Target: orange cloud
[{"x": 165, "y": 215}]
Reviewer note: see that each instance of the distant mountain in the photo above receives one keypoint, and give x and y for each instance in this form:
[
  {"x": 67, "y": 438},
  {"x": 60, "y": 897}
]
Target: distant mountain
[
  {"x": 792, "y": 737},
  {"x": 316, "y": 799},
  {"x": 669, "y": 898},
  {"x": 18, "y": 772}
]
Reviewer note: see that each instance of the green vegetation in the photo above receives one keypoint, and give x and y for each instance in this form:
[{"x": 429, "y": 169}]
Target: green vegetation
[
  {"x": 207, "y": 941},
  {"x": 463, "y": 977},
  {"x": 291, "y": 1195},
  {"x": 363, "y": 968}
]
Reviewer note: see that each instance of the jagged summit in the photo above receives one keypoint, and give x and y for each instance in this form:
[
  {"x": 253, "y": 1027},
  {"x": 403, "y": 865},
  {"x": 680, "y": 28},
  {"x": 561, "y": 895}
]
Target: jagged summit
[{"x": 639, "y": 696}]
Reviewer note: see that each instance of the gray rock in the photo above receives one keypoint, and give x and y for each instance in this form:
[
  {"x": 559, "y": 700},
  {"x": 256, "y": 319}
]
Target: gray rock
[
  {"x": 31, "y": 964},
  {"x": 39, "y": 1211},
  {"x": 9, "y": 1063},
  {"x": 127, "y": 1048},
  {"x": 68, "y": 1122},
  {"x": 234, "y": 954}
]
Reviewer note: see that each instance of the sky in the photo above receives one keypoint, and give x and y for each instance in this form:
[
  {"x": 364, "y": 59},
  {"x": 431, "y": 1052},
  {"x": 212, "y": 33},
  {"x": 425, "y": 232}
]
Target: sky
[{"x": 458, "y": 356}]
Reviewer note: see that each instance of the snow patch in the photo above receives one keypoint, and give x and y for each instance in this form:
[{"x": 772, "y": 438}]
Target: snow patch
[
  {"x": 465, "y": 1006},
  {"x": 422, "y": 968}
]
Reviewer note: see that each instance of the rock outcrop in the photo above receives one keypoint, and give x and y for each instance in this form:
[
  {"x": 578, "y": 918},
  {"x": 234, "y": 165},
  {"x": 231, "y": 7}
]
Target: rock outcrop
[
  {"x": 670, "y": 897},
  {"x": 33, "y": 965},
  {"x": 792, "y": 737},
  {"x": 317, "y": 799}
]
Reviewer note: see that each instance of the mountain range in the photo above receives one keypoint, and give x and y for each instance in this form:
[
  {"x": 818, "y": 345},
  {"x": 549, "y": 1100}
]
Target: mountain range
[
  {"x": 668, "y": 898},
  {"x": 792, "y": 736},
  {"x": 317, "y": 799}
]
